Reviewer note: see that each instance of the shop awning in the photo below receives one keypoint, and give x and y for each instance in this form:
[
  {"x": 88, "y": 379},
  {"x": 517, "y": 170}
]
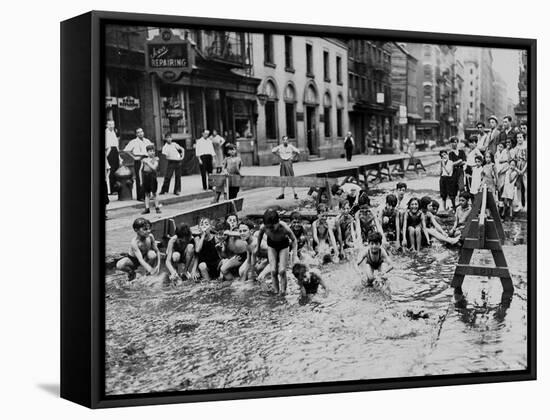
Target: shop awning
[
  {"x": 430, "y": 123},
  {"x": 414, "y": 117}
]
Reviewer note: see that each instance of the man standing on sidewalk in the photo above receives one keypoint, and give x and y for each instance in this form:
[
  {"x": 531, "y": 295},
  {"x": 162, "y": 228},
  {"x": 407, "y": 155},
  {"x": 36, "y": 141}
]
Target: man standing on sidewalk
[
  {"x": 204, "y": 150},
  {"x": 138, "y": 149},
  {"x": 111, "y": 151},
  {"x": 286, "y": 153},
  {"x": 349, "y": 144},
  {"x": 174, "y": 155}
]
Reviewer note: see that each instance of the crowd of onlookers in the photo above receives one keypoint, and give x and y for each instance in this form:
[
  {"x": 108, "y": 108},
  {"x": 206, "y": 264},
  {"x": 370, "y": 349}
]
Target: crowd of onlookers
[{"x": 495, "y": 158}]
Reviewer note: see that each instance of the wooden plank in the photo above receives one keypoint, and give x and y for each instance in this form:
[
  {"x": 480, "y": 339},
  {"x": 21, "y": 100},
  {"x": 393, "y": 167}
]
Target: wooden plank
[
  {"x": 473, "y": 215},
  {"x": 475, "y": 270},
  {"x": 267, "y": 181},
  {"x": 163, "y": 228},
  {"x": 464, "y": 258},
  {"x": 493, "y": 210},
  {"x": 338, "y": 173},
  {"x": 482, "y": 216},
  {"x": 474, "y": 243}
]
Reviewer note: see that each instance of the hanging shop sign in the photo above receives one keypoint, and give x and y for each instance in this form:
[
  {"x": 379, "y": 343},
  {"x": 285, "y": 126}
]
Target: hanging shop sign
[
  {"x": 176, "y": 113},
  {"x": 380, "y": 98},
  {"x": 402, "y": 114},
  {"x": 169, "y": 56},
  {"x": 128, "y": 103},
  {"x": 110, "y": 101}
]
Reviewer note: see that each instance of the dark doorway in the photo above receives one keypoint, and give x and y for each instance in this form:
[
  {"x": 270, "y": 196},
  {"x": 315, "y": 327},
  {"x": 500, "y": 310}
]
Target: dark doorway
[{"x": 311, "y": 130}]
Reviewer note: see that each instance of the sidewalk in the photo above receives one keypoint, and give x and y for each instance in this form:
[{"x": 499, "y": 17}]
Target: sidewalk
[{"x": 192, "y": 186}]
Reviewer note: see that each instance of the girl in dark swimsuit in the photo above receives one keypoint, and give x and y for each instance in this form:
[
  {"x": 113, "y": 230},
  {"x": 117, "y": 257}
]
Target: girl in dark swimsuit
[
  {"x": 208, "y": 257},
  {"x": 389, "y": 220},
  {"x": 413, "y": 225},
  {"x": 376, "y": 258},
  {"x": 323, "y": 236},
  {"x": 279, "y": 237}
]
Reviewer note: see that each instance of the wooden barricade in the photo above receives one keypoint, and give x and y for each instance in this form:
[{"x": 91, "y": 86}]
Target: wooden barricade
[
  {"x": 416, "y": 164},
  {"x": 483, "y": 232},
  {"x": 163, "y": 229}
]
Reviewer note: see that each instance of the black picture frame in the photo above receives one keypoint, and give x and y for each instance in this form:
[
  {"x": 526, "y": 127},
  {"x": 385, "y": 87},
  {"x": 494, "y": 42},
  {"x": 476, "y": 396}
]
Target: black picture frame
[{"x": 83, "y": 223}]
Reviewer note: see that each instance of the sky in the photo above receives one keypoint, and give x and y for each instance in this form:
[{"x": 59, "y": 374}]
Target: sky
[{"x": 506, "y": 62}]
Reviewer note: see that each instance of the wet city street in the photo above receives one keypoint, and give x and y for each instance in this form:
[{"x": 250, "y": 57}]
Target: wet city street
[{"x": 238, "y": 334}]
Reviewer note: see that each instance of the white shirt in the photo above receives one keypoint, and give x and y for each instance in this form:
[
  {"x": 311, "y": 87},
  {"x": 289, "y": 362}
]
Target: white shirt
[
  {"x": 471, "y": 158},
  {"x": 138, "y": 146},
  {"x": 111, "y": 140},
  {"x": 285, "y": 153},
  {"x": 173, "y": 151},
  {"x": 204, "y": 147}
]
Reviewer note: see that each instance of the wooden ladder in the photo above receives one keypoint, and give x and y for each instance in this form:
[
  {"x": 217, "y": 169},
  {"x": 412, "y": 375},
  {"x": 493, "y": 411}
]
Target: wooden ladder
[{"x": 483, "y": 232}]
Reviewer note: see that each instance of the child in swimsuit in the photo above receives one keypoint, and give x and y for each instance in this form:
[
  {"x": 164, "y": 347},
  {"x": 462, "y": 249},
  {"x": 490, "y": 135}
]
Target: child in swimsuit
[
  {"x": 279, "y": 237},
  {"x": 298, "y": 229},
  {"x": 247, "y": 270},
  {"x": 461, "y": 216},
  {"x": 413, "y": 225},
  {"x": 376, "y": 258},
  {"x": 389, "y": 220},
  {"x": 345, "y": 225},
  {"x": 234, "y": 249},
  {"x": 433, "y": 228},
  {"x": 180, "y": 250},
  {"x": 509, "y": 189},
  {"x": 143, "y": 251},
  {"x": 207, "y": 252},
  {"x": 324, "y": 240},
  {"x": 308, "y": 280}
]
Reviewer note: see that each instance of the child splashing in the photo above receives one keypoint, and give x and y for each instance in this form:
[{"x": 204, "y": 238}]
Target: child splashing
[{"x": 376, "y": 259}]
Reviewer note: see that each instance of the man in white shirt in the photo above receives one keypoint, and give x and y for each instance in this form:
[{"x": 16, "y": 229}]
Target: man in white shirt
[
  {"x": 286, "y": 152},
  {"x": 174, "y": 155},
  {"x": 204, "y": 150},
  {"x": 481, "y": 137},
  {"x": 111, "y": 152},
  {"x": 138, "y": 149}
]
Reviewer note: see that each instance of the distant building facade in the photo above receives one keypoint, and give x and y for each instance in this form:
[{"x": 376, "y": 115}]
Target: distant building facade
[
  {"x": 521, "y": 109},
  {"x": 404, "y": 93},
  {"x": 371, "y": 112},
  {"x": 302, "y": 94}
]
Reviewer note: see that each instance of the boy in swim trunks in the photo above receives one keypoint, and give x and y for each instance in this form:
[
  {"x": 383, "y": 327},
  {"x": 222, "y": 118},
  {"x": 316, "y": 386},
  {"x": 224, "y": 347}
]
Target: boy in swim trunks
[
  {"x": 235, "y": 249},
  {"x": 207, "y": 252},
  {"x": 323, "y": 235},
  {"x": 299, "y": 231},
  {"x": 279, "y": 237},
  {"x": 389, "y": 221},
  {"x": 376, "y": 258},
  {"x": 180, "y": 250},
  {"x": 308, "y": 280},
  {"x": 247, "y": 270},
  {"x": 143, "y": 251}
]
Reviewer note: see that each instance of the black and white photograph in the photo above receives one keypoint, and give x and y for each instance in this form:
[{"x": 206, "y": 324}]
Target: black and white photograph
[{"x": 286, "y": 209}]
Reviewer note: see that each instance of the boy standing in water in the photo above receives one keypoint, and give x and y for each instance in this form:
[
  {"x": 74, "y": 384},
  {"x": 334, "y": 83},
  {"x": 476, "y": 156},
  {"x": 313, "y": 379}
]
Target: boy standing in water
[
  {"x": 279, "y": 237},
  {"x": 446, "y": 185},
  {"x": 247, "y": 271},
  {"x": 376, "y": 258},
  {"x": 143, "y": 251}
]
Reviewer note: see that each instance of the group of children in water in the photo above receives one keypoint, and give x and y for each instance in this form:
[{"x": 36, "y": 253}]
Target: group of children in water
[{"x": 234, "y": 248}]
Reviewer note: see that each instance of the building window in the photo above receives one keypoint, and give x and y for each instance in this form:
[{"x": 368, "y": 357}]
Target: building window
[
  {"x": 270, "y": 120},
  {"x": 327, "y": 121},
  {"x": 427, "y": 113},
  {"x": 327, "y": 106},
  {"x": 268, "y": 50},
  {"x": 309, "y": 60},
  {"x": 471, "y": 93},
  {"x": 427, "y": 91},
  {"x": 326, "y": 66},
  {"x": 290, "y": 111},
  {"x": 289, "y": 65},
  {"x": 339, "y": 113},
  {"x": 339, "y": 70},
  {"x": 471, "y": 104},
  {"x": 471, "y": 71},
  {"x": 271, "y": 111}
]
